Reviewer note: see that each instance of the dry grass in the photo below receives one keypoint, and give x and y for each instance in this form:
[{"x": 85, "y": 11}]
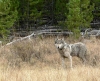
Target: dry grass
[
  {"x": 50, "y": 74},
  {"x": 38, "y": 60}
]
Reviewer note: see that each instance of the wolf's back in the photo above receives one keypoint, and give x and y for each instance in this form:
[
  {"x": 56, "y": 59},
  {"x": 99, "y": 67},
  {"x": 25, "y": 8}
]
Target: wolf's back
[{"x": 78, "y": 48}]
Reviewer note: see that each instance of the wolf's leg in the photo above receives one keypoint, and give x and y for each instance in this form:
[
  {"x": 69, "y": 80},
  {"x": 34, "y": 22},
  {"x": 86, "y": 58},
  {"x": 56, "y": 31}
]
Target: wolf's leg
[
  {"x": 83, "y": 58},
  {"x": 70, "y": 58},
  {"x": 67, "y": 54},
  {"x": 63, "y": 62}
]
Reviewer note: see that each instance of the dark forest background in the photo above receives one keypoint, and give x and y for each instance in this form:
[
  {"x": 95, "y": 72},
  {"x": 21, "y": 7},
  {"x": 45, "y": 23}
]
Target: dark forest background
[{"x": 30, "y": 14}]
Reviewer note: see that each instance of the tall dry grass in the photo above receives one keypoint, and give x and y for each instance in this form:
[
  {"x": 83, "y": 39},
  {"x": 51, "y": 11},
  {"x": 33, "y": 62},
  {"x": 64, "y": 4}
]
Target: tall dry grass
[
  {"x": 50, "y": 74},
  {"x": 39, "y": 60}
]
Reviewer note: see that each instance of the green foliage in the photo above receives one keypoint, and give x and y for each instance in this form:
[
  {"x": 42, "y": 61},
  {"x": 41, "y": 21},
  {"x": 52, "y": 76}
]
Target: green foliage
[
  {"x": 28, "y": 9},
  {"x": 60, "y": 9},
  {"x": 71, "y": 14},
  {"x": 8, "y": 15},
  {"x": 35, "y": 8},
  {"x": 79, "y": 15},
  {"x": 86, "y": 11},
  {"x": 97, "y": 9},
  {"x": 74, "y": 17}
]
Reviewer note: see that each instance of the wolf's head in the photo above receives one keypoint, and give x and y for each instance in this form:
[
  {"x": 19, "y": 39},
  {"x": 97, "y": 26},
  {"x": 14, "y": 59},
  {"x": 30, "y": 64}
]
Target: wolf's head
[{"x": 59, "y": 43}]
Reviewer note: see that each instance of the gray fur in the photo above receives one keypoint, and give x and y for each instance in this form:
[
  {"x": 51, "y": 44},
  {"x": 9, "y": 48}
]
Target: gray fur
[{"x": 68, "y": 50}]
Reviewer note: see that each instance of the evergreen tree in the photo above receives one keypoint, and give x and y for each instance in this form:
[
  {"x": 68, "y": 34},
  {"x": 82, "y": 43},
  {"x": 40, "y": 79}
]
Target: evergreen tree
[
  {"x": 79, "y": 15},
  {"x": 60, "y": 11},
  {"x": 74, "y": 16},
  {"x": 35, "y": 10},
  {"x": 8, "y": 15},
  {"x": 96, "y": 12},
  {"x": 86, "y": 11},
  {"x": 29, "y": 11}
]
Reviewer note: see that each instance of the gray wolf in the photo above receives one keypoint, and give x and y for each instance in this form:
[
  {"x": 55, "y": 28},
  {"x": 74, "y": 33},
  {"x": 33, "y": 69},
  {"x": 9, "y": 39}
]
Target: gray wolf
[{"x": 68, "y": 50}]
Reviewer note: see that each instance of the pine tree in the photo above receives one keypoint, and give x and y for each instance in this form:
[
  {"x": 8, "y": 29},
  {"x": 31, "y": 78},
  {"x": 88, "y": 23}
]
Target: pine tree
[
  {"x": 96, "y": 12},
  {"x": 86, "y": 11},
  {"x": 79, "y": 15},
  {"x": 60, "y": 11},
  {"x": 29, "y": 11},
  {"x": 74, "y": 17},
  {"x": 35, "y": 9},
  {"x": 8, "y": 15}
]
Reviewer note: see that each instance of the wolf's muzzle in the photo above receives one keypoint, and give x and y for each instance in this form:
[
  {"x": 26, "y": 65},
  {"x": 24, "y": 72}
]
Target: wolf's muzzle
[{"x": 60, "y": 48}]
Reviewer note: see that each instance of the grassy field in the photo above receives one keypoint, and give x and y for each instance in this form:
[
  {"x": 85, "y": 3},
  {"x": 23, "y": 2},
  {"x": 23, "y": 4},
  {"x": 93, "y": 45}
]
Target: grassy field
[{"x": 39, "y": 60}]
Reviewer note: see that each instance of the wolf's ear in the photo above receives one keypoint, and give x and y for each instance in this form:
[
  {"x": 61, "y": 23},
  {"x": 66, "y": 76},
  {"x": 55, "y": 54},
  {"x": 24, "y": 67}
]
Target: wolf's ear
[{"x": 56, "y": 38}]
